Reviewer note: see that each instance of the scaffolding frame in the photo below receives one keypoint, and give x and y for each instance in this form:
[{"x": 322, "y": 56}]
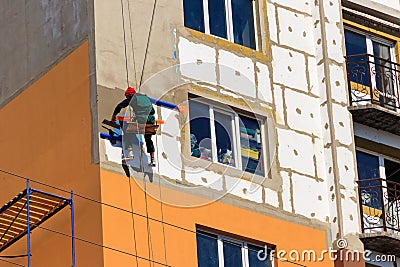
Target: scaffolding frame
[{"x": 29, "y": 209}]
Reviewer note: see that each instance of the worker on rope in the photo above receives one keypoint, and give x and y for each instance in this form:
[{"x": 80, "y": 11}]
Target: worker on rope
[{"x": 143, "y": 114}]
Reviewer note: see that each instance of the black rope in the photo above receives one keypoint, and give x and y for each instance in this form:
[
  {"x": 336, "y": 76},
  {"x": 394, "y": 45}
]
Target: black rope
[
  {"x": 127, "y": 81},
  {"x": 161, "y": 205},
  {"x": 133, "y": 50},
  {"x": 100, "y": 245},
  {"x": 212, "y": 236},
  {"x": 124, "y": 210},
  {"x": 145, "y": 200},
  {"x": 148, "y": 41},
  {"x": 133, "y": 219},
  {"x": 87, "y": 241},
  {"x": 105, "y": 204},
  {"x": 13, "y": 263},
  {"x": 126, "y": 57}
]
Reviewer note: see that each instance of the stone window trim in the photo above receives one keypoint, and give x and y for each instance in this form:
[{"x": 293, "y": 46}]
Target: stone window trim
[
  {"x": 261, "y": 33},
  {"x": 261, "y": 171}
]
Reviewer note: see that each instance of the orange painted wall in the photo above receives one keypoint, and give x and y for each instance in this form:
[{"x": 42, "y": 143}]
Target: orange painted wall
[
  {"x": 46, "y": 135},
  {"x": 181, "y": 244}
]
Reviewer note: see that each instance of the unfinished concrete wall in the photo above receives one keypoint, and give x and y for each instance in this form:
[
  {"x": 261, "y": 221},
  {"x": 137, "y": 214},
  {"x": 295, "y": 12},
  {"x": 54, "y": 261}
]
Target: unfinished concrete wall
[
  {"x": 38, "y": 34},
  {"x": 121, "y": 38}
]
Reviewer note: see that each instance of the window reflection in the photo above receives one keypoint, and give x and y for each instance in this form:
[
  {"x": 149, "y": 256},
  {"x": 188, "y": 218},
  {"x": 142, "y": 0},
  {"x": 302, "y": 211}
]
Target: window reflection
[
  {"x": 368, "y": 168},
  {"x": 207, "y": 250},
  {"x": 200, "y": 131},
  {"x": 217, "y": 17},
  {"x": 223, "y": 133},
  {"x": 243, "y": 23},
  {"x": 251, "y": 146},
  {"x": 232, "y": 254},
  {"x": 193, "y": 14}
]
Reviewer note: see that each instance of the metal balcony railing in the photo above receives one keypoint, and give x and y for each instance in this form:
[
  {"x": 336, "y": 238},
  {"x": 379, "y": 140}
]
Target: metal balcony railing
[
  {"x": 373, "y": 80},
  {"x": 380, "y": 205}
]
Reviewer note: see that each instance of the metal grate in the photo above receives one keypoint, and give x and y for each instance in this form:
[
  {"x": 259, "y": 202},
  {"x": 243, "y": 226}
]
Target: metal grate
[
  {"x": 373, "y": 80},
  {"x": 14, "y": 215}
]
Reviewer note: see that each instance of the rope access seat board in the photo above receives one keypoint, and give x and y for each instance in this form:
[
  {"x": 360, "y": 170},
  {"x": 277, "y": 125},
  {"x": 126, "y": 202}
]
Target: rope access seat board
[
  {"x": 14, "y": 215},
  {"x": 134, "y": 127}
]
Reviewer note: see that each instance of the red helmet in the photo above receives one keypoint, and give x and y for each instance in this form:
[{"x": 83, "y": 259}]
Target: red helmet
[{"x": 130, "y": 91}]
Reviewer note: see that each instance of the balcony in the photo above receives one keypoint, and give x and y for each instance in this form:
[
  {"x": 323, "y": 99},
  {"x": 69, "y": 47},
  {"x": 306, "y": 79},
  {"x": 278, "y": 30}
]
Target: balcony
[
  {"x": 373, "y": 84},
  {"x": 380, "y": 215}
]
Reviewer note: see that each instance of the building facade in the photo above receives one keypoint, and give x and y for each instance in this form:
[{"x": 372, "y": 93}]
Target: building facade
[
  {"x": 372, "y": 56},
  {"x": 277, "y": 131}
]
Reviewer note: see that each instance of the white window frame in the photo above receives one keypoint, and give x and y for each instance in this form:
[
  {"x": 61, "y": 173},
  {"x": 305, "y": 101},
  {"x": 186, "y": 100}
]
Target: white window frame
[
  {"x": 382, "y": 173},
  {"x": 369, "y": 39},
  {"x": 237, "y": 152},
  {"x": 370, "y": 50},
  {"x": 382, "y": 170},
  {"x": 244, "y": 249},
  {"x": 381, "y": 158},
  {"x": 233, "y": 129},
  {"x": 229, "y": 21}
]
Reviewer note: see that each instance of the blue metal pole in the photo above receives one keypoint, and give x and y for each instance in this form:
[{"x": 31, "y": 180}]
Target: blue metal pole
[
  {"x": 28, "y": 192},
  {"x": 73, "y": 228},
  {"x": 110, "y": 137},
  {"x": 163, "y": 103}
]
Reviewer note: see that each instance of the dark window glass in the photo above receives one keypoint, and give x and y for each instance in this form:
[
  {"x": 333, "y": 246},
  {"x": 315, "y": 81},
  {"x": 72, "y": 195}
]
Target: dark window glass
[
  {"x": 257, "y": 259},
  {"x": 200, "y": 132},
  {"x": 232, "y": 254},
  {"x": 356, "y": 48},
  {"x": 392, "y": 205},
  {"x": 368, "y": 168},
  {"x": 223, "y": 133},
  {"x": 194, "y": 14},
  {"x": 251, "y": 145},
  {"x": 243, "y": 23},
  {"x": 217, "y": 17},
  {"x": 355, "y": 43},
  {"x": 207, "y": 250},
  {"x": 392, "y": 171},
  {"x": 381, "y": 50}
]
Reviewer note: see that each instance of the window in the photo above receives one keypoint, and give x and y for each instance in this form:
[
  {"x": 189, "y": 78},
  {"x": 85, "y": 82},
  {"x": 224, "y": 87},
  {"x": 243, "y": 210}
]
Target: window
[
  {"x": 371, "y": 65},
  {"x": 219, "y": 251},
  {"x": 229, "y": 19},
  {"x": 368, "y": 175},
  {"x": 222, "y": 135},
  {"x": 374, "y": 191},
  {"x": 379, "y": 191}
]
